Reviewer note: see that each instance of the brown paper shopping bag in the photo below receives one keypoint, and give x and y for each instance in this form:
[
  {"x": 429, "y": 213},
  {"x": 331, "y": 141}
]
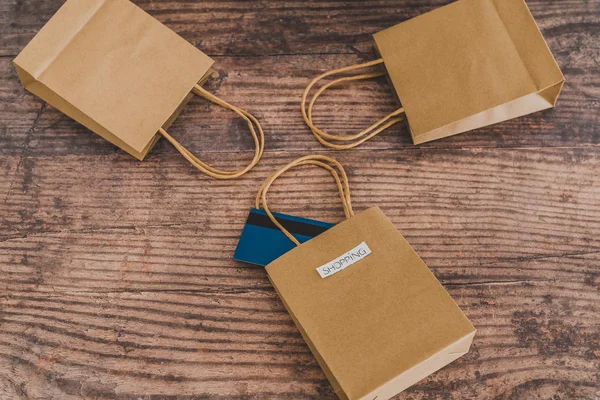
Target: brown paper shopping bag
[
  {"x": 121, "y": 73},
  {"x": 374, "y": 316},
  {"x": 467, "y": 65}
]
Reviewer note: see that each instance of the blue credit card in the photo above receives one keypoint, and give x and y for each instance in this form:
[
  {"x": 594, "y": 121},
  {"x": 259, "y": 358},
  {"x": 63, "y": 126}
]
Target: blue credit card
[{"x": 262, "y": 242}]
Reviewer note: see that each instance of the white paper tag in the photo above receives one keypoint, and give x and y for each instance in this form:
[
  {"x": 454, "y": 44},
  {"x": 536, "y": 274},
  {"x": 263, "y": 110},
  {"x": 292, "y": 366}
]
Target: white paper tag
[{"x": 344, "y": 261}]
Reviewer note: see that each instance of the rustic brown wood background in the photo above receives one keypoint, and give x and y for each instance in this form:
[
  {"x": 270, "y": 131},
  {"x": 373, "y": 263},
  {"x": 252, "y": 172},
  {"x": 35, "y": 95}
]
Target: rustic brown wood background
[{"x": 116, "y": 277}]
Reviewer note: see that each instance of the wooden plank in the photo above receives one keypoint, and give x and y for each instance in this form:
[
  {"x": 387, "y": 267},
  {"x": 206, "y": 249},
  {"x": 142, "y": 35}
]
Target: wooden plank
[
  {"x": 470, "y": 206},
  {"x": 261, "y": 28},
  {"x": 534, "y": 338},
  {"x": 270, "y": 88}
]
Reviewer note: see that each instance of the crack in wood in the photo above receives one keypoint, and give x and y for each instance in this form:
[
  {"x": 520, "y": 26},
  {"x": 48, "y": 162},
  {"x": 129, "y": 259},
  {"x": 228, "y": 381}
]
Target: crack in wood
[
  {"x": 25, "y": 149},
  {"x": 27, "y": 235},
  {"x": 498, "y": 283}
]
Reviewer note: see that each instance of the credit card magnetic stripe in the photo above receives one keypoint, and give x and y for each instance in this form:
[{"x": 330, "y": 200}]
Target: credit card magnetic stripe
[
  {"x": 300, "y": 226},
  {"x": 262, "y": 241}
]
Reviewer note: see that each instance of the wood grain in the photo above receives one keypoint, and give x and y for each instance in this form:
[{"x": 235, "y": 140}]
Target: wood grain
[
  {"x": 271, "y": 87},
  {"x": 116, "y": 277},
  {"x": 129, "y": 271},
  {"x": 243, "y": 344},
  {"x": 265, "y": 28},
  {"x": 269, "y": 84}
]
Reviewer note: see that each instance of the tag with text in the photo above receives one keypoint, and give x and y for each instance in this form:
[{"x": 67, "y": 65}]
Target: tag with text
[{"x": 344, "y": 261}]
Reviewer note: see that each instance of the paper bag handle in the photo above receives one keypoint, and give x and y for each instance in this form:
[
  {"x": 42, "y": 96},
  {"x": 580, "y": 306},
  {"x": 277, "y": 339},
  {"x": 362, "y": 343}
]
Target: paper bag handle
[
  {"x": 357, "y": 138},
  {"x": 328, "y": 163},
  {"x": 259, "y": 140}
]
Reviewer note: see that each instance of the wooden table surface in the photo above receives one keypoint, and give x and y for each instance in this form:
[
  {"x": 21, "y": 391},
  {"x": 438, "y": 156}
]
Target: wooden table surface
[{"x": 116, "y": 277}]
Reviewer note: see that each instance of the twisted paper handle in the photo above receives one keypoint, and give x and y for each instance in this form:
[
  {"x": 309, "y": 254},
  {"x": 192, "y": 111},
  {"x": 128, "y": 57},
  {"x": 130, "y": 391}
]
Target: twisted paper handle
[
  {"x": 328, "y": 163},
  {"x": 357, "y": 138},
  {"x": 259, "y": 140}
]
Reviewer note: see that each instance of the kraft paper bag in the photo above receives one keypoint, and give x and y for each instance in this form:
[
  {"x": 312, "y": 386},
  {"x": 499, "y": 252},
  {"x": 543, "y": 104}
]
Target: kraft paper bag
[
  {"x": 463, "y": 66},
  {"x": 121, "y": 73},
  {"x": 374, "y": 316}
]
